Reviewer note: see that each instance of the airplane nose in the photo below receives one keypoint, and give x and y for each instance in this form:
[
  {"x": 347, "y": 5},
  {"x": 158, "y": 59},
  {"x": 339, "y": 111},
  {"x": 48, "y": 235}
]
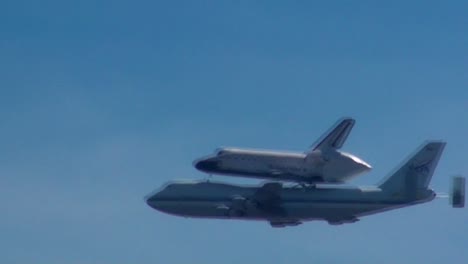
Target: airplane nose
[
  {"x": 206, "y": 165},
  {"x": 153, "y": 202}
]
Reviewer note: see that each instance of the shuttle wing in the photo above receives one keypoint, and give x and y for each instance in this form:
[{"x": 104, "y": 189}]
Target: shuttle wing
[{"x": 336, "y": 136}]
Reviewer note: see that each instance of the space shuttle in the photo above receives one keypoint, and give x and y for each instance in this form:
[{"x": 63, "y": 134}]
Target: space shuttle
[{"x": 323, "y": 162}]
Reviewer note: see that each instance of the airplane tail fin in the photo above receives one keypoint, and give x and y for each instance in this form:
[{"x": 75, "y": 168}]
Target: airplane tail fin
[
  {"x": 416, "y": 171},
  {"x": 336, "y": 136}
]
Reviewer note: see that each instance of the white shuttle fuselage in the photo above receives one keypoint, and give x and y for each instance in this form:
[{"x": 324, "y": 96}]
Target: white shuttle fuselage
[
  {"x": 332, "y": 166},
  {"x": 322, "y": 163}
]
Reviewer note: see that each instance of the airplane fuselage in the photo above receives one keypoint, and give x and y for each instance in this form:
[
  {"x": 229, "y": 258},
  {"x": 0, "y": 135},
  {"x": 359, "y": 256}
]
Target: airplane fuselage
[
  {"x": 333, "y": 166},
  {"x": 334, "y": 204}
]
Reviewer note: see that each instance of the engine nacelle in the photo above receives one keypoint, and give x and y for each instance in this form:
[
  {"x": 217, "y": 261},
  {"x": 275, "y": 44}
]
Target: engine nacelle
[{"x": 238, "y": 207}]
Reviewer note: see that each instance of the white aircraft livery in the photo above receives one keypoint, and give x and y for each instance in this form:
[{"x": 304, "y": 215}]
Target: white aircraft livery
[{"x": 321, "y": 163}]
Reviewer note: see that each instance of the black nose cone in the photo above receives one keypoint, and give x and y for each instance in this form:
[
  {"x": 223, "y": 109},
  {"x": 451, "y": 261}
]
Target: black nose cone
[
  {"x": 152, "y": 201},
  {"x": 207, "y": 165}
]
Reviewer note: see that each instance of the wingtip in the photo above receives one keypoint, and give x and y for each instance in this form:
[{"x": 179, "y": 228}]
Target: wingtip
[
  {"x": 435, "y": 141},
  {"x": 429, "y": 143},
  {"x": 347, "y": 119}
]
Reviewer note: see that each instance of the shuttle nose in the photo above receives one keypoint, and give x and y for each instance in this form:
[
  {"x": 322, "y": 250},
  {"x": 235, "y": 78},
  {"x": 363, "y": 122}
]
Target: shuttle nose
[{"x": 206, "y": 165}]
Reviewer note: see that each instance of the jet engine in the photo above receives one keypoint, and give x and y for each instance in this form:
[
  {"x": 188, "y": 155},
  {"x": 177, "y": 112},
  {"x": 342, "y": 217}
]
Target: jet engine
[{"x": 238, "y": 206}]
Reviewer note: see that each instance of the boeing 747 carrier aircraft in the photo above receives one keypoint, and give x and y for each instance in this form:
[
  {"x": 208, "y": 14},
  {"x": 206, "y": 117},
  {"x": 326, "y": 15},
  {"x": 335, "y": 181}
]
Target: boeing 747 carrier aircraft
[
  {"x": 322, "y": 163},
  {"x": 290, "y": 206}
]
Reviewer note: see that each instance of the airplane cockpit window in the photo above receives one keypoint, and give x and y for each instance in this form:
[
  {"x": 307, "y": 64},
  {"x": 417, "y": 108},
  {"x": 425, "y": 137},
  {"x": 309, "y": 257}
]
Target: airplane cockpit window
[
  {"x": 166, "y": 187},
  {"x": 221, "y": 152}
]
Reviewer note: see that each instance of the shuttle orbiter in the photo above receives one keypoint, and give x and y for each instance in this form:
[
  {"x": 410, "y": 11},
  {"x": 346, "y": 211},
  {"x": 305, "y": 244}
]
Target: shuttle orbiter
[{"x": 323, "y": 162}]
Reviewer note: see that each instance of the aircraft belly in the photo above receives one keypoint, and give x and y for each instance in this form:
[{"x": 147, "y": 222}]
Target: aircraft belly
[
  {"x": 288, "y": 171},
  {"x": 317, "y": 210},
  {"x": 285, "y": 172},
  {"x": 261, "y": 172},
  {"x": 291, "y": 210}
]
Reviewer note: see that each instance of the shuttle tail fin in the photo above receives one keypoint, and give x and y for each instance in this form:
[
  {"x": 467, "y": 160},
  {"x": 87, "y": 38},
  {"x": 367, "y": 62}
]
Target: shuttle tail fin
[
  {"x": 336, "y": 136},
  {"x": 416, "y": 171}
]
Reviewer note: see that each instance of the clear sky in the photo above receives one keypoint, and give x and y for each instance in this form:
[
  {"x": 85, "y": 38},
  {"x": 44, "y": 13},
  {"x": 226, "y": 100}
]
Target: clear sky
[{"x": 103, "y": 101}]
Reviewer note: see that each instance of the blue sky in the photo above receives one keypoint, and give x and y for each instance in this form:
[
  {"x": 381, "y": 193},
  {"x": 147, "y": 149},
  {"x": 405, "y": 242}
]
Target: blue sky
[{"x": 102, "y": 102}]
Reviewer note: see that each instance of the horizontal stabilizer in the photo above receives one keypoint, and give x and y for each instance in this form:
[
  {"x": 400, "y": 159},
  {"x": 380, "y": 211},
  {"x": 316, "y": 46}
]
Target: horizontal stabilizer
[
  {"x": 457, "y": 197},
  {"x": 336, "y": 136}
]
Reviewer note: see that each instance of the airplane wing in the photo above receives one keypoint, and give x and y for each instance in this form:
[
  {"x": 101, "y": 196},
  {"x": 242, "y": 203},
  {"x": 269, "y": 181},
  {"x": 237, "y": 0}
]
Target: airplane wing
[
  {"x": 269, "y": 193},
  {"x": 336, "y": 136},
  {"x": 268, "y": 198}
]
